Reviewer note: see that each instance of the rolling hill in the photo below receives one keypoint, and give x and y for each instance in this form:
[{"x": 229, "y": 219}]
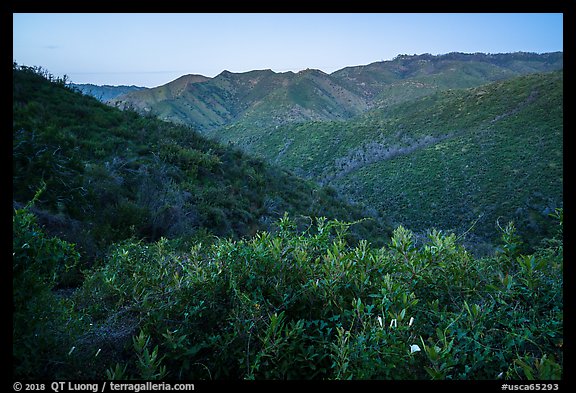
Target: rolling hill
[
  {"x": 141, "y": 250},
  {"x": 110, "y": 175},
  {"x": 260, "y": 97},
  {"x": 411, "y": 76},
  {"x": 443, "y": 160},
  {"x": 421, "y": 139},
  {"x": 264, "y": 98}
]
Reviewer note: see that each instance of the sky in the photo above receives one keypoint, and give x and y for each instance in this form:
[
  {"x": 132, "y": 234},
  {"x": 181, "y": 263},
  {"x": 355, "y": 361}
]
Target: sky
[{"x": 147, "y": 49}]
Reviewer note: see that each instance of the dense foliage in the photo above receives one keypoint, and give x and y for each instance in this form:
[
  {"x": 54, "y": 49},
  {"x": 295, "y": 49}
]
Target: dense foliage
[
  {"x": 207, "y": 264},
  {"x": 463, "y": 139},
  {"x": 42, "y": 325},
  {"x": 114, "y": 174},
  {"x": 263, "y": 98},
  {"x": 447, "y": 160},
  {"x": 299, "y": 305}
]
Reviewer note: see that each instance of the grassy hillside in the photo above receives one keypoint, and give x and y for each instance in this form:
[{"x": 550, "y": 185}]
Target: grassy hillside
[
  {"x": 407, "y": 77},
  {"x": 263, "y": 98},
  {"x": 255, "y": 97},
  {"x": 112, "y": 174},
  {"x": 443, "y": 160},
  {"x": 304, "y": 300}
]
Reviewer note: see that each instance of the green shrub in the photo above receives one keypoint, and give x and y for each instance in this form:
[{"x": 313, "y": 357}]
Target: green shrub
[
  {"x": 43, "y": 324},
  {"x": 304, "y": 304}
]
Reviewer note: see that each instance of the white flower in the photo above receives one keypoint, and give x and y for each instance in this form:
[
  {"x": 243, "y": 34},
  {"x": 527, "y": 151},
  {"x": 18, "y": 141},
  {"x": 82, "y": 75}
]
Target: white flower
[
  {"x": 380, "y": 321},
  {"x": 411, "y": 321},
  {"x": 393, "y": 322},
  {"x": 500, "y": 375},
  {"x": 414, "y": 348}
]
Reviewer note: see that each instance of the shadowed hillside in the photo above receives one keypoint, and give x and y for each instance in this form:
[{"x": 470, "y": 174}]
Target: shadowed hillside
[
  {"x": 446, "y": 160},
  {"x": 112, "y": 174},
  {"x": 264, "y": 98},
  {"x": 144, "y": 251}
]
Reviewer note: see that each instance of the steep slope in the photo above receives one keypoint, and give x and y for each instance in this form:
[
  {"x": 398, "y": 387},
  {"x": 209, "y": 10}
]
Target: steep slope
[
  {"x": 290, "y": 304},
  {"x": 260, "y": 97},
  {"x": 407, "y": 77},
  {"x": 503, "y": 161},
  {"x": 268, "y": 99},
  {"x": 158, "y": 94},
  {"x": 443, "y": 160},
  {"x": 306, "y": 95},
  {"x": 110, "y": 175}
]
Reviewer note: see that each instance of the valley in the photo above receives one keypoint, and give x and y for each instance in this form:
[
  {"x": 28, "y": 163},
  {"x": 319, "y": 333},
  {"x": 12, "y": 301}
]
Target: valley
[
  {"x": 396, "y": 221},
  {"x": 447, "y": 122}
]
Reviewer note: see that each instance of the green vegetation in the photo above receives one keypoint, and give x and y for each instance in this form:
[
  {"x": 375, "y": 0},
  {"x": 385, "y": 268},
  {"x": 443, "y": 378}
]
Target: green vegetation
[
  {"x": 42, "y": 327},
  {"x": 299, "y": 305},
  {"x": 451, "y": 141},
  {"x": 263, "y": 98},
  {"x": 142, "y": 250},
  {"x": 422, "y": 74},
  {"x": 260, "y": 97},
  {"x": 113, "y": 174},
  {"x": 445, "y": 160},
  {"x": 499, "y": 157}
]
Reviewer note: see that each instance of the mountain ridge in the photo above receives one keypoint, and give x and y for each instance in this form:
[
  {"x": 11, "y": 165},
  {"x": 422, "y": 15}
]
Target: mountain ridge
[
  {"x": 399, "y": 111},
  {"x": 104, "y": 92},
  {"x": 315, "y": 95},
  {"x": 110, "y": 175},
  {"x": 214, "y": 264},
  {"x": 229, "y": 96}
]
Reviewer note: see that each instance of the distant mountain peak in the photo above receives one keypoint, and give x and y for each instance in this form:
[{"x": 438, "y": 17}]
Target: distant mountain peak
[
  {"x": 193, "y": 77},
  {"x": 311, "y": 71},
  {"x": 104, "y": 93},
  {"x": 267, "y": 98},
  {"x": 229, "y": 74}
]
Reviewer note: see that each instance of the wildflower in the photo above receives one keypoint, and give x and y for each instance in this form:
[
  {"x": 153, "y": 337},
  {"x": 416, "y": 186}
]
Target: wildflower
[
  {"x": 411, "y": 321},
  {"x": 393, "y": 322},
  {"x": 414, "y": 348}
]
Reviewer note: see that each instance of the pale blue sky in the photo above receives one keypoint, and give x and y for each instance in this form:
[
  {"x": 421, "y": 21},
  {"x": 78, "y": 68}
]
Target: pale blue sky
[{"x": 153, "y": 49}]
